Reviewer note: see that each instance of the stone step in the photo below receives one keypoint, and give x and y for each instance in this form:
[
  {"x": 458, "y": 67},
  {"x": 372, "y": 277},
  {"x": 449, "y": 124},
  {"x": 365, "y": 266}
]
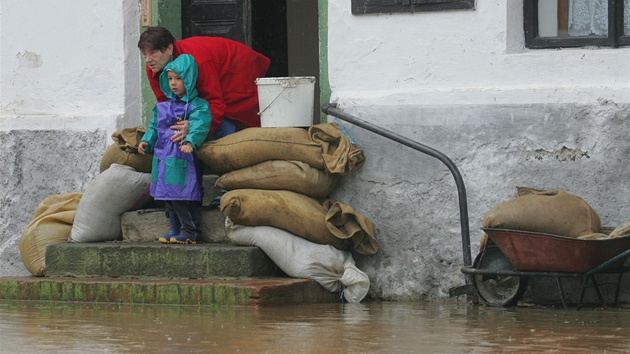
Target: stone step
[
  {"x": 157, "y": 261},
  {"x": 269, "y": 291},
  {"x": 147, "y": 225}
]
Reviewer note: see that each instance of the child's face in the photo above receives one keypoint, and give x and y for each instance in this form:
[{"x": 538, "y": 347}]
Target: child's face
[{"x": 176, "y": 84}]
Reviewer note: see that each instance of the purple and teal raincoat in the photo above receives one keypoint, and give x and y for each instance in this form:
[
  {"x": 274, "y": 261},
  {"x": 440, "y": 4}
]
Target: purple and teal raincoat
[{"x": 175, "y": 175}]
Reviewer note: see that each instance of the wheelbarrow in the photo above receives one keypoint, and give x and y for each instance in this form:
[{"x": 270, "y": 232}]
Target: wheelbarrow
[{"x": 510, "y": 257}]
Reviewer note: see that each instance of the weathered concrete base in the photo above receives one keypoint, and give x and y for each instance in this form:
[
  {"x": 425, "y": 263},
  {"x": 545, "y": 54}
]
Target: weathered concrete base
[
  {"x": 222, "y": 292},
  {"x": 156, "y": 260}
]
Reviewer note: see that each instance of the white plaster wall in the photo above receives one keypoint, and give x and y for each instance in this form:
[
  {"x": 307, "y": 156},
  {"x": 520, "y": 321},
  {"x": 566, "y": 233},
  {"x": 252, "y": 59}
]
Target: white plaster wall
[
  {"x": 70, "y": 77},
  {"x": 69, "y": 64},
  {"x": 462, "y": 57},
  {"x": 463, "y": 83}
]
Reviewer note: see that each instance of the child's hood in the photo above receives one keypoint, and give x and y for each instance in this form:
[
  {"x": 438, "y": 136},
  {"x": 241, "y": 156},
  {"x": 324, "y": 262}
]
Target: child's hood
[{"x": 184, "y": 66}]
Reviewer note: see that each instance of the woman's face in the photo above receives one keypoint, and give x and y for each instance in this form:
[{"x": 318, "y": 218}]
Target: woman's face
[{"x": 157, "y": 59}]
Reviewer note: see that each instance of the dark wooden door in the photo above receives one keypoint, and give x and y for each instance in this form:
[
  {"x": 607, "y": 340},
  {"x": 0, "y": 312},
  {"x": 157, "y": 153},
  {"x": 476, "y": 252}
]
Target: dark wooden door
[{"x": 261, "y": 24}]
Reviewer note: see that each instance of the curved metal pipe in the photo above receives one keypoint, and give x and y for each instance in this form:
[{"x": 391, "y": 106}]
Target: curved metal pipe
[{"x": 331, "y": 109}]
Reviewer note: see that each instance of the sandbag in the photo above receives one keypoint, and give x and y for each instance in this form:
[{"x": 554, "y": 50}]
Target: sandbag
[
  {"x": 346, "y": 223},
  {"x": 295, "y": 176},
  {"x": 553, "y": 212},
  {"x": 51, "y": 224},
  {"x": 124, "y": 151},
  {"x": 255, "y": 145},
  {"x": 290, "y": 211},
  {"x": 333, "y": 269},
  {"x": 622, "y": 230},
  {"x": 328, "y": 223},
  {"x": 339, "y": 154},
  {"x": 117, "y": 190},
  {"x": 594, "y": 236},
  {"x": 322, "y": 146}
]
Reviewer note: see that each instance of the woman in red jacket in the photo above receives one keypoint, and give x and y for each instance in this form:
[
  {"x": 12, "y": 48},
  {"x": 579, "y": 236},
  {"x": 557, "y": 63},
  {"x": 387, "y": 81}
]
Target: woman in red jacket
[{"x": 227, "y": 73}]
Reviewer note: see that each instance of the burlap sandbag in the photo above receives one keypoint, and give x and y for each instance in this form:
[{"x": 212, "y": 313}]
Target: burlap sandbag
[
  {"x": 255, "y": 145},
  {"x": 346, "y": 223},
  {"x": 322, "y": 146},
  {"x": 51, "y": 224},
  {"x": 124, "y": 151},
  {"x": 290, "y": 211},
  {"x": 339, "y": 154},
  {"x": 553, "y": 212},
  {"x": 622, "y": 230},
  {"x": 295, "y": 176}
]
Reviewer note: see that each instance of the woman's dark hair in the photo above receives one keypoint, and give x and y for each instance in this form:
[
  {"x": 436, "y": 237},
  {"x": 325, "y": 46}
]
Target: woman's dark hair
[{"x": 155, "y": 38}]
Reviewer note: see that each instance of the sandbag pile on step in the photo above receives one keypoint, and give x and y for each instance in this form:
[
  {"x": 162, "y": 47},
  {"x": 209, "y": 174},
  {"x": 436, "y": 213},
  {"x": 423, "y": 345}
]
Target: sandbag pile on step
[
  {"x": 554, "y": 212},
  {"x": 92, "y": 216},
  {"x": 51, "y": 224},
  {"x": 333, "y": 269},
  {"x": 280, "y": 177}
]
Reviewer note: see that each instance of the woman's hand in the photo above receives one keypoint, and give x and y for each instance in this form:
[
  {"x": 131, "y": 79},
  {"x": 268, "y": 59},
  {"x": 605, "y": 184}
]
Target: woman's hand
[{"x": 181, "y": 129}]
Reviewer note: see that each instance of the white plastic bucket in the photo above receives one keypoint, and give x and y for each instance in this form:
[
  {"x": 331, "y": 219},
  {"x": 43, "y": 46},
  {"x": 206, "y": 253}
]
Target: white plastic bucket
[{"x": 286, "y": 101}]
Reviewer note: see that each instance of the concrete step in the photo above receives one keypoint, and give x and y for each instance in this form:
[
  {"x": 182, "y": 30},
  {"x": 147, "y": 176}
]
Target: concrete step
[
  {"x": 147, "y": 225},
  {"x": 215, "y": 292},
  {"x": 157, "y": 261}
]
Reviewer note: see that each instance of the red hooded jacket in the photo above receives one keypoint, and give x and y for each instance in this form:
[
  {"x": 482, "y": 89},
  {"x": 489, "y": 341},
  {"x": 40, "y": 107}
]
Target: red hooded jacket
[{"x": 227, "y": 73}]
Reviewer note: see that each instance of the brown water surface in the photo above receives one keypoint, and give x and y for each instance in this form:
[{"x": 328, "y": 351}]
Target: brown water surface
[{"x": 326, "y": 328}]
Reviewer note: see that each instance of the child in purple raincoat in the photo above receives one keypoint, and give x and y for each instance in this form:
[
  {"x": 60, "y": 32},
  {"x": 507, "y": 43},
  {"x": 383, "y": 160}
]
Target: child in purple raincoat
[{"x": 176, "y": 172}]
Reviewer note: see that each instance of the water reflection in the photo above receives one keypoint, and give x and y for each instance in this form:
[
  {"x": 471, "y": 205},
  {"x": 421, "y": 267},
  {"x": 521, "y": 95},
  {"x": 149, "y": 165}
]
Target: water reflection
[{"x": 332, "y": 328}]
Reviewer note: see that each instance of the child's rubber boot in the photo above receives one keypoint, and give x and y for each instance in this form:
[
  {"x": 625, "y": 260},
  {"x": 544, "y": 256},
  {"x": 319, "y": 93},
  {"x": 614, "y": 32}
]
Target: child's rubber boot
[
  {"x": 184, "y": 239},
  {"x": 174, "y": 229}
]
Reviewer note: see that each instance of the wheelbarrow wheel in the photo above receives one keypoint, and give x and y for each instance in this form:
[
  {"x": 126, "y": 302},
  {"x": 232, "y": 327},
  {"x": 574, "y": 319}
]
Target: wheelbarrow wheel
[{"x": 497, "y": 290}]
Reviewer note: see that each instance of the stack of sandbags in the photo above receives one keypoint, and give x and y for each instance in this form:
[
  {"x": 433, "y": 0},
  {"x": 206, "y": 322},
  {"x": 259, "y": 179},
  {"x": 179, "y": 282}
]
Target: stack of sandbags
[
  {"x": 51, "y": 224},
  {"x": 280, "y": 177},
  {"x": 124, "y": 151},
  {"x": 554, "y": 212}
]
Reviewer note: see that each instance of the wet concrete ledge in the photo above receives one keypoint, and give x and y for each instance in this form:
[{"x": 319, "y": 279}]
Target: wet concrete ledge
[
  {"x": 208, "y": 292},
  {"x": 157, "y": 261}
]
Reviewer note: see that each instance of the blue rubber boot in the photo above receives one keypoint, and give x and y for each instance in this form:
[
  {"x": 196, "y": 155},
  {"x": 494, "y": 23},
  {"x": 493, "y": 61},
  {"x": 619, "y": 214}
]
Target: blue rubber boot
[
  {"x": 174, "y": 229},
  {"x": 188, "y": 214}
]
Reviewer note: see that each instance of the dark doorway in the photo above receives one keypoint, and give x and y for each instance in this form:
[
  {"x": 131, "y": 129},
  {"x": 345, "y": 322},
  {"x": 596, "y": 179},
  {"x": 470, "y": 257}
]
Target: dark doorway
[
  {"x": 286, "y": 31},
  {"x": 261, "y": 24}
]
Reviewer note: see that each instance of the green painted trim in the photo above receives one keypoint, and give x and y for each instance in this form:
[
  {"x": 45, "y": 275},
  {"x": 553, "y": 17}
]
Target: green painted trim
[
  {"x": 324, "y": 84},
  {"x": 165, "y": 13}
]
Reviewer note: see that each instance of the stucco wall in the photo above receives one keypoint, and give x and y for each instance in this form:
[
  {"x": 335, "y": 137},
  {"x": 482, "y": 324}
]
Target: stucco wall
[
  {"x": 463, "y": 83},
  {"x": 70, "y": 78}
]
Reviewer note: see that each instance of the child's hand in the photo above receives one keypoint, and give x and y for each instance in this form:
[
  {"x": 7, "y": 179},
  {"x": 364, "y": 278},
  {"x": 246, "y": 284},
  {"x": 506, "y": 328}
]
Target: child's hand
[
  {"x": 143, "y": 145},
  {"x": 186, "y": 148}
]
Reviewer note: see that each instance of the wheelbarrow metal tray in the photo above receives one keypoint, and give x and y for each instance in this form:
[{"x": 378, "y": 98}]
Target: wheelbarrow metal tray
[{"x": 531, "y": 251}]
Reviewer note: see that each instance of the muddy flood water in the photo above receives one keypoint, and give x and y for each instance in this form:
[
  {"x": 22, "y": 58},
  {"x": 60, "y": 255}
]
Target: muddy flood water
[{"x": 376, "y": 327}]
